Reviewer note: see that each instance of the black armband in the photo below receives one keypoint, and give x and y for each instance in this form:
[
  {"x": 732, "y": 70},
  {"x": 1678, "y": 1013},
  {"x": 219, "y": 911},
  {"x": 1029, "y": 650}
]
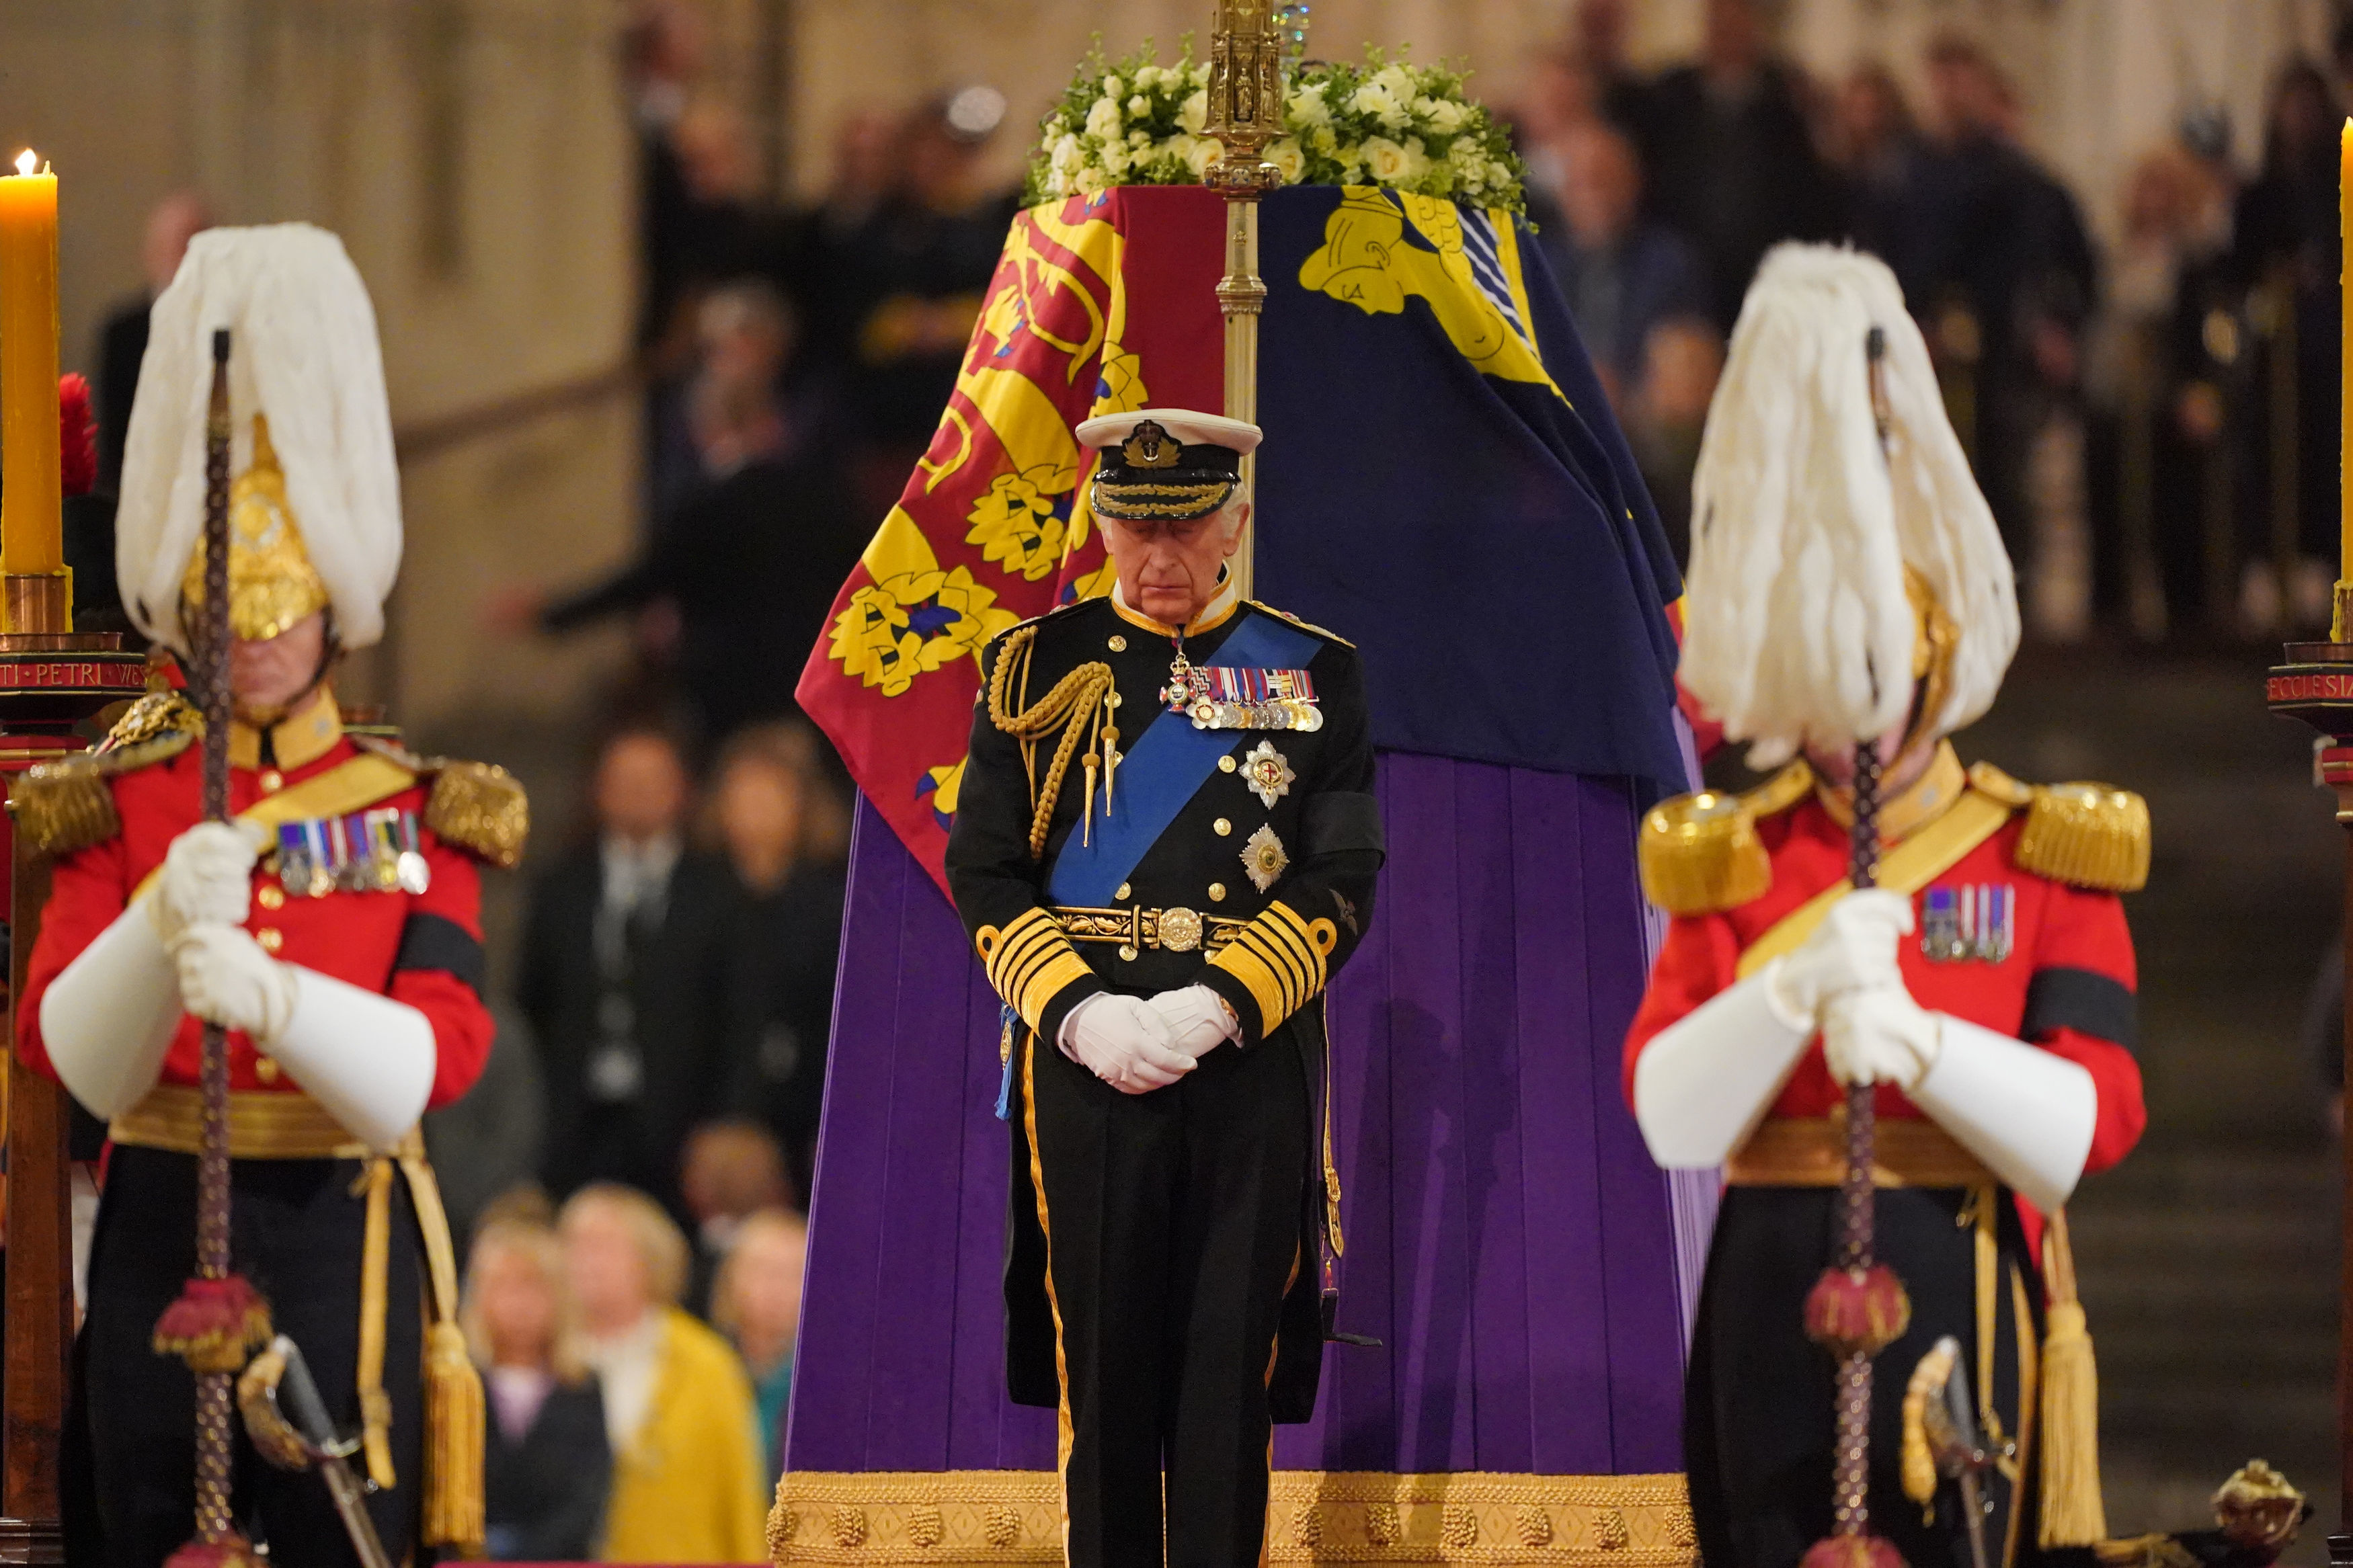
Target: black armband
[
  {"x": 436, "y": 942},
  {"x": 2083, "y": 999}
]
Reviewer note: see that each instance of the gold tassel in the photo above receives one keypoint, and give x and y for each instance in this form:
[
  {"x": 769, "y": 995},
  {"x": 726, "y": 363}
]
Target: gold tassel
[
  {"x": 2073, "y": 1513},
  {"x": 454, "y": 1503}
]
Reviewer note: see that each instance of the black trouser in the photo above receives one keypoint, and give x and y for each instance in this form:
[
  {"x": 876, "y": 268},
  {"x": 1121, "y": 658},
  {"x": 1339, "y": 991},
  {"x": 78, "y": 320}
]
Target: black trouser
[
  {"x": 1173, "y": 1229},
  {"x": 1759, "y": 1425},
  {"x": 296, "y": 1232}
]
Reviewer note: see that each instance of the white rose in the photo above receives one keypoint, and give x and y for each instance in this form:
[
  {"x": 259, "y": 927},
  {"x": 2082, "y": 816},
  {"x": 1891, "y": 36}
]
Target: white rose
[
  {"x": 1103, "y": 120},
  {"x": 1499, "y": 174},
  {"x": 1115, "y": 160},
  {"x": 1417, "y": 160},
  {"x": 1067, "y": 155},
  {"x": 1139, "y": 138},
  {"x": 1179, "y": 148},
  {"x": 1199, "y": 75},
  {"x": 1147, "y": 75},
  {"x": 1139, "y": 105},
  {"x": 1090, "y": 181},
  {"x": 1055, "y": 186},
  {"x": 1289, "y": 159},
  {"x": 1193, "y": 112},
  {"x": 1396, "y": 82},
  {"x": 1352, "y": 164},
  {"x": 1373, "y": 98},
  {"x": 1389, "y": 164},
  {"x": 1308, "y": 106},
  {"x": 1113, "y": 89},
  {"x": 1442, "y": 115},
  {"x": 1206, "y": 151},
  {"x": 1324, "y": 140}
]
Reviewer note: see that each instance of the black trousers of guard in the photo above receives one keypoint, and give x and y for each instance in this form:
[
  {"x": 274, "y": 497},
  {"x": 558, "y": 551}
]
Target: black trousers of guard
[
  {"x": 296, "y": 1233},
  {"x": 1173, "y": 1229},
  {"x": 1758, "y": 1417}
]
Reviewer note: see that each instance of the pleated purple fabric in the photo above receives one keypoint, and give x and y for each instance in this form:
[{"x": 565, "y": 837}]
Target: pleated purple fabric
[{"x": 1527, "y": 1267}]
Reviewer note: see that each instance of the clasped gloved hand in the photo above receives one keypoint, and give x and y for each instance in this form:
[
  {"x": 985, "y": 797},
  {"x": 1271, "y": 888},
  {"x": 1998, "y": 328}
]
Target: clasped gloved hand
[
  {"x": 1853, "y": 947},
  {"x": 1123, "y": 1041},
  {"x": 208, "y": 876},
  {"x": 1198, "y": 1019},
  {"x": 226, "y": 979}
]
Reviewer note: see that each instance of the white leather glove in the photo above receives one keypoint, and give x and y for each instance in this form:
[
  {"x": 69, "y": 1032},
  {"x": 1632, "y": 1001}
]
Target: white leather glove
[
  {"x": 207, "y": 874},
  {"x": 1853, "y": 947},
  {"x": 1196, "y": 1019},
  {"x": 1879, "y": 1034},
  {"x": 226, "y": 979},
  {"x": 1123, "y": 1041}
]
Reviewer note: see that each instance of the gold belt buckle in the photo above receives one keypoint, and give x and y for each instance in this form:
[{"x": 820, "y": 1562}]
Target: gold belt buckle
[{"x": 1179, "y": 930}]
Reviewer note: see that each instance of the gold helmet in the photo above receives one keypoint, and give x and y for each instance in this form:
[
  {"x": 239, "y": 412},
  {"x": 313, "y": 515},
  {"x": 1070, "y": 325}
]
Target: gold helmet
[{"x": 271, "y": 583}]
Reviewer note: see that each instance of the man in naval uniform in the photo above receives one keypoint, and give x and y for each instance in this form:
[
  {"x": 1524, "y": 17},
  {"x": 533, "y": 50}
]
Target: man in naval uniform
[
  {"x": 332, "y": 928},
  {"x": 1165, "y": 844},
  {"x": 1985, "y": 986}
]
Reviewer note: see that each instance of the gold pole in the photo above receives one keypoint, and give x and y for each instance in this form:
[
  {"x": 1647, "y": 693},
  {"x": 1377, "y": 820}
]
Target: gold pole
[{"x": 1245, "y": 113}]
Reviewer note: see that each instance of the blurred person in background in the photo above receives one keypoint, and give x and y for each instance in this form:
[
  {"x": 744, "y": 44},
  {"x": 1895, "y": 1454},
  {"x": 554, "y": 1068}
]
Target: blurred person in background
[
  {"x": 920, "y": 267},
  {"x": 2009, "y": 277},
  {"x": 818, "y": 262},
  {"x": 2288, "y": 250},
  {"x": 1620, "y": 275},
  {"x": 777, "y": 817},
  {"x": 1877, "y": 149},
  {"x": 1682, "y": 359},
  {"x": 757, "y": 1304},
  {"x": 123, "y": 338},
  {"x": 749, "y": 567},
  {"x": 731, "y": 1170},
  {"x": 688, "y": 1482},
  {"x": 626, "y": 976},
  {"x": 1731, "y": 160},
  {"x": 546, "y": 1466}
]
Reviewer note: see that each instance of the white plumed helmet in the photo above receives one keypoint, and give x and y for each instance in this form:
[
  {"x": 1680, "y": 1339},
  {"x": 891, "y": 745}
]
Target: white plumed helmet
[
  {"x": 1799, "y": 628},
  {"x": 302, "y": 355}
]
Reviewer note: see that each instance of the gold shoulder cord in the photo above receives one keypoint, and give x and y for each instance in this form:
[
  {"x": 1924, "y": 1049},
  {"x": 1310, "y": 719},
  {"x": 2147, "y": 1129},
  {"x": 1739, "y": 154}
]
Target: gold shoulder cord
[{"x": 1076, "y": 707}]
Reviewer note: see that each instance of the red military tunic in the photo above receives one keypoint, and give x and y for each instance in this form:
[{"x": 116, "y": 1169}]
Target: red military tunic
[
  {"x": 2066, "y": 984},
  {"x": 423, "y": 949}
]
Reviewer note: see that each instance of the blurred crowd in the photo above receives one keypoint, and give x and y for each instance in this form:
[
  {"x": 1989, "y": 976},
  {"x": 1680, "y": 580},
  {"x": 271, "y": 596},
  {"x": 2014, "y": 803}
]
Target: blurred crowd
[
  {"x": 2155, "y": 426},
  {"x": 2154, "y": 423}
]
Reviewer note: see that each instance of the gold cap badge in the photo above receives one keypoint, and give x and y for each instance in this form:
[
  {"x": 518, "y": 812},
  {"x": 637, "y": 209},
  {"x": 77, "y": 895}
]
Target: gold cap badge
[
  {"x": 271, "y": 583},
  {"x": 1150, "y": 447}
]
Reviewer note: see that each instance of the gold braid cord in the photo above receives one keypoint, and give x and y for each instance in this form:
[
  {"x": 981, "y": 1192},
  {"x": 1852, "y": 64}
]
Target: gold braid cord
[{"x": 1075, "y": 706}]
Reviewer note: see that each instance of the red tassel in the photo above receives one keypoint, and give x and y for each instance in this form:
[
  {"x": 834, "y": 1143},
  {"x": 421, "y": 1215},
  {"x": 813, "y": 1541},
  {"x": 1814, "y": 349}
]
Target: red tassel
[
  {"x": 234, "y": 1552},
  {"x": 215, "y": 1325},
  {"x": 1857, "y": 1311},
  {"x": 1840, "y": 1551},
  {"x": 77, "y": 436}
]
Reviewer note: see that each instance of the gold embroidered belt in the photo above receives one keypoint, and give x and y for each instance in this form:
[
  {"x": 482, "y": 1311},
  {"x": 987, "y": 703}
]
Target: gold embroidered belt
[
  {"x": 1176, "y": 929},
  {"x": 290, "y": 1125},
  {"x": 1792, "y": 1151}
]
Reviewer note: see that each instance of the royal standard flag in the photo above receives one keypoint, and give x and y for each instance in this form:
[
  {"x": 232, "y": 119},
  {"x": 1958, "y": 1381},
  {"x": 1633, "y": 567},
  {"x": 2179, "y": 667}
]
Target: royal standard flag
[{"x": 1441, "y": 483}]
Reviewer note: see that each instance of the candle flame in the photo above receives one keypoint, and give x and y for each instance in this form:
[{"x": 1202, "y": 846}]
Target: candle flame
[{"x": 25, "y": 162}]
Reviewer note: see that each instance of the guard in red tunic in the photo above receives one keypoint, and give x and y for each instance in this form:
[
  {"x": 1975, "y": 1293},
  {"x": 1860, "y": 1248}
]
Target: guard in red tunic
[
  {"x": 1847, "y": 580},
  {"x": 334, "y": 927}
]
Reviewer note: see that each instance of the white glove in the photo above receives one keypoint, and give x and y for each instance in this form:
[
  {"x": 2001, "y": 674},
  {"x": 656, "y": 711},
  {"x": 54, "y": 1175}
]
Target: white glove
[
  {"x": 208, "y": 876},
  {"x": 1879, "y": 1034},
  {"x": 1853, "y": 947},
  {"x": 1196, "y": 1018},
  {"x": 1123, "y": 1041},
  {"x": 226, "y": 979}
]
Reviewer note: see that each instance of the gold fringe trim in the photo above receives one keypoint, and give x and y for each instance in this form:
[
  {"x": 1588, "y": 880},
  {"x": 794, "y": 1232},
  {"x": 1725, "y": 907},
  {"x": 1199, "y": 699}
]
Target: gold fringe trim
[
  {"x": 64, "y": 806},
  {"x": 959, "y": 1518},
  {"x": 2092, "y": 835},
  {"x": 1700, "y": 853}
]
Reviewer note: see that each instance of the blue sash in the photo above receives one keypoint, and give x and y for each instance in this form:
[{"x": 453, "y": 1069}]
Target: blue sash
[{"x": 1163, "y": 770}]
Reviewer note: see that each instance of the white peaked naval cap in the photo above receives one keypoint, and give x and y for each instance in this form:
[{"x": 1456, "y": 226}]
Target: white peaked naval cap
[
  {"x": 1192, "y": 429},
  {"x": 1798, "y": 626},
  {"x": 303, "y": 352}
]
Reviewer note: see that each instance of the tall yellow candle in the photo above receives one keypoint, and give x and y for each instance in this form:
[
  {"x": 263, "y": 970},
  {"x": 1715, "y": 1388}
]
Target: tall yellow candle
[{"x": 31, "y": 527}]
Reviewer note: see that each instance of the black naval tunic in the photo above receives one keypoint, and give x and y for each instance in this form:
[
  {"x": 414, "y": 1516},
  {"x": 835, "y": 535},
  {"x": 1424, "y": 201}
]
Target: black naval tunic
[{"x": 1162, "y": 1275}]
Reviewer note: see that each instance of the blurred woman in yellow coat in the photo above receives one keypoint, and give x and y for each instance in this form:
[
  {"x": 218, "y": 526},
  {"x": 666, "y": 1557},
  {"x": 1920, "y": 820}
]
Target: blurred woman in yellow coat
[{"x": 689, "y": 1472}]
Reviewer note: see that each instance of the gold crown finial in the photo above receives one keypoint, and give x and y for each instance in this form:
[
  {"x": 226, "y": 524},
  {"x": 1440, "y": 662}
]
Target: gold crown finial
[{"x": 271, "y": 583}]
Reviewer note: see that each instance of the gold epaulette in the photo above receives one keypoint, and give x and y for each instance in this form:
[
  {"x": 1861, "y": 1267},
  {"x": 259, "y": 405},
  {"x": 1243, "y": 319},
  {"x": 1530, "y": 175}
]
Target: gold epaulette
[
  {"x": 65, "y": 805},
  {"x": 1699, "y": 853},
  {"x": 1303, "y": 625},
  {"x": 478, "y": 807},
  {"x": 2089, "y": 835}
]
